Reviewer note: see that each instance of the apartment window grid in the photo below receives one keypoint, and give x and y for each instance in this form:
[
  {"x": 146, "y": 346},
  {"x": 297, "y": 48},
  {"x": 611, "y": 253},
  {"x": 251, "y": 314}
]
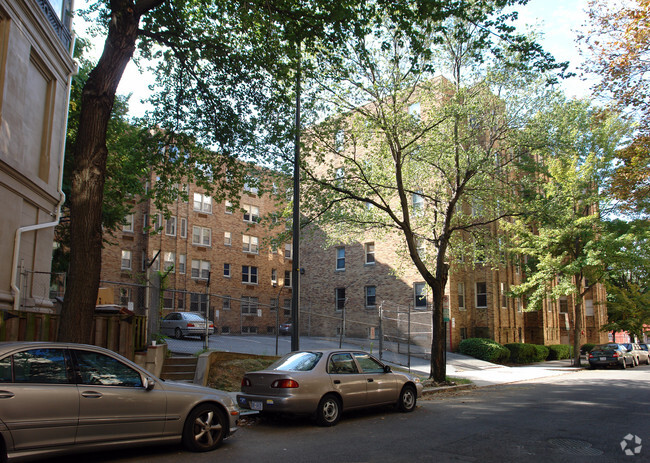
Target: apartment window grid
[
  {"x": 273, "y": 304},
  {"x": 249, "y": 274},
  {"x": 420, "y": 292},
  {"x": 339, "y": 295},
  {"x": 249, "y": 305},
  {"x": 200, "y": 269},
  {"x": 202, "y": 203},
  {"x": 126, "y": 260},
  {"x": 226, "y": 270},
  {"x": 169, "y": 260},
  {"x": 504, "y": 298},
  {"x": 250, "y": 244},
  {"x": 180, "y": 302},
  {"x": 225, "y": 303},
  {"x": 370, "y": 253},
  {"x": 251, "y": 213},
  {"x": 287, "y": 250},
  {"x": 183, "y": 230},
  {"x": 227, "y": 238},
  {"x": 481, "y": 294},
  {"x": 199, "y": 302},
  {"x": 229, "y": 207},
  {"x": 168, "y": 300},
  {"x": 287, "y": 278},
  {"x": 201, "y": 236},
  {"x": 461, "y": 295},
  {"x": 250, "y": 186},
  {"x": 340, "y": 258},
  {"x": 519, "y": 305},
  {"x": 128, "y": 223},
  {"x": 286, "y": 306},
  {"x": 157, "y": 222},
  {"x": 274, "y": 276},
  {"x": 170, "y": 226},
  {"x": 371, "y": 296},
  {"x": 564, "y": 305},
  {"x": 182, "y": 262}
]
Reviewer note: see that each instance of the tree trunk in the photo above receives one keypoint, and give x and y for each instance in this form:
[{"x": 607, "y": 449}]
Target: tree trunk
[
  {"x": 577, "y": 325},
  {"x": 87, "y": 192},
  {"x": 438, "y": 344}
]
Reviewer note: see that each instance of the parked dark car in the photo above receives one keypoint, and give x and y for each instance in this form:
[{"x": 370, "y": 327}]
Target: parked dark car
[
  {"x": 181, "y": 324},
  {"x": 611, "y": 354},
  {"x": 286, "y": 329},
  {"x": 640, "y": 355},
  {"x": 324, "y": 383},
  {"x": 60, "y": 398}
]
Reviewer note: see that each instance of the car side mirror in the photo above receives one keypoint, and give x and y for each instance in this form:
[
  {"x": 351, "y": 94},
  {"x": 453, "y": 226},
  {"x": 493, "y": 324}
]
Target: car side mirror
[
  {"x": 387, "y": 369},
  {"x": 148, "y": 383}
]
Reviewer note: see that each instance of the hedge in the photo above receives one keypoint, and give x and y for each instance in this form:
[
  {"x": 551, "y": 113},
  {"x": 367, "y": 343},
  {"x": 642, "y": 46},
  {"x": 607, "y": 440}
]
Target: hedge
[
  {"x": 586, "y": 348},
  {"x": 484, "y": 349},
  {"x": 527, "y": 353},
  {"x": 559, "y": 352}
]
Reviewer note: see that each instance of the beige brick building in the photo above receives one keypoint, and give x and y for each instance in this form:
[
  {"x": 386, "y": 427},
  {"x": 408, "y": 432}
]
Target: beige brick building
[
  {"x": 202, "y": 242},
  {"x": 35, "y": 69}
]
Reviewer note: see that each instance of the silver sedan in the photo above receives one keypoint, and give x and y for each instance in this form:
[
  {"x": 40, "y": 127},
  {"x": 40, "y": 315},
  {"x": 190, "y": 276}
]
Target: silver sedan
[
  {"x": 324, "y": 383},
  {"x": 60, "y": 398}
]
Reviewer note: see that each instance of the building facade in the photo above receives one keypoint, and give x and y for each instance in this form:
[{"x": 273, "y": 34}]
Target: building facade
[
  {"x": 36, "y": 66},
  {"x": 214, "y": 258}
]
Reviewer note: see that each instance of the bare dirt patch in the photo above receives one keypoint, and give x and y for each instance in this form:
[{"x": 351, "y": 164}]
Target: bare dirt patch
[{"x": 227, "y": 375}]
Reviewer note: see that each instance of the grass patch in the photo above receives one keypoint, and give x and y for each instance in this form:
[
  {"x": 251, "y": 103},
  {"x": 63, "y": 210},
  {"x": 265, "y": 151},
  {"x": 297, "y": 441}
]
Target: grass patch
[{"x": 227, "y": 375}]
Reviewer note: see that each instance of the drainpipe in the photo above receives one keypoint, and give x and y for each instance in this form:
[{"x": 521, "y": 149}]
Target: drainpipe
[{"x": 57, "y": 214}]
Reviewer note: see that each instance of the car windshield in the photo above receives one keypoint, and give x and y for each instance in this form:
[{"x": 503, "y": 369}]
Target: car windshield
[
  {"x": 297, "y": 361},
  {"x": 606, "y": 347}
]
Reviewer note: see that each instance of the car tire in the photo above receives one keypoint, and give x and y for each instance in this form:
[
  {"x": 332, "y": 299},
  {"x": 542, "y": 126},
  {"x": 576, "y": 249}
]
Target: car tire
[
  {"x": 647, "y": 361},
  {"x": 205, "y": 428},
  {"x": 178, "y": 334},
  {"x": 329, "y": 410},
  {"x": 624, "y": 364},
  {"x": 407, "y": 399}
]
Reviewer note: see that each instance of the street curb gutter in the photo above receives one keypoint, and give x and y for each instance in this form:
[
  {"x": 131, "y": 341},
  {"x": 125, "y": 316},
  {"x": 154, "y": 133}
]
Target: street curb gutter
[{"x": 437, "y": 390}]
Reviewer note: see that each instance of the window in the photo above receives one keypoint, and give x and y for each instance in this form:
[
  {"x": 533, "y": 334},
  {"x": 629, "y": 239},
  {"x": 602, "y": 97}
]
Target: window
[
  {"x": 128, "y": 223},
  {"x": 170, "y": 226},
  {"x": 274, "y": 276},
  {"x": 250, "y": 185},
  {"x": 340, "y": 258},
  {"x": 461, "y": 296},
  {"x": 589, "y": 307},
  {"x": 250, "y": 244},
  {"x": 370, "y": 253},
  {"x": 125, "y": 296},
  {"x": 202, "y": 203},
  {"x": 519, "y": 306},
  {"x": 183, "y": 227},
  {"x": 273, "y": 304},
  {"x": 225, "y": 303},
  {"x": 227, "y": 238},
  {"x": 421, "y": 247},
  {"x": 414, "y": 110},
  {"x": 155, "y": 262},
  {"x": 339, "y": 176},
  {"x": 286, "y": 306},
  {"x": 182, "y": 260},
  {"x": 251, "y": 213},
  {"x": 420, "y": 290},
  {"x": 339, "y": 140},
  {"x": 368, "y": 364},
  {"x": 157, "y": 222},
  {"x": 371, "y": 297},
  {"x": 180, "y": 302},
  {"x": 287, "y": 250},
  {"x": 226, "y": 270},
  {"x": 287, "y": 278},
  {"x": 564, "y": 305},
  {"x": 481, "y": 294},
  {"x": 168, "y": 300},
  {"x": 40, "y": 366},
  {"x": 249, "y": 274},
  {"x": 342, "y": 364},
  {"x": 229, "y": 207},
  {"x": 126, "y": 260},
  {"x": 100, "y": 369},
  {"x": 198, "y": 302},
  {"x": 339, "y": 298},
  {"x": 169, "y": 260},
  {"x": 418, "y": 203},
  {"x": 550, "y": 305},
  {"x": 504, "y": 298},
  {"x": 249, "y": 305},
  {"x": 200, "y": 269},
  {"x": 201, "y": 236}
]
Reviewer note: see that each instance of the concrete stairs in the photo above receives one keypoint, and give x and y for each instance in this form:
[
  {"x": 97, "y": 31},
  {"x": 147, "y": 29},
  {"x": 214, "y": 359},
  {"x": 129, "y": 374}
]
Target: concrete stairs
[{"x": 179, "y": 369}]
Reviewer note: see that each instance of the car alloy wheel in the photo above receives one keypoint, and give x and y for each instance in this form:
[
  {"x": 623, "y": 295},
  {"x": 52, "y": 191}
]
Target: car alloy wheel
[
  {"x": 407, "y": 399},
  {"x": 329, "y": 410},
  {"x": 205, "y": 428},
  {"x": 178, "y": 334}
]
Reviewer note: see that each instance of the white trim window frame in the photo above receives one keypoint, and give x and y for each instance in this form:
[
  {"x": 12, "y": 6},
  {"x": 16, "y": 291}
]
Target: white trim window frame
[
  {"x": 369, "y": 249},
  {"x": 249, "y": 275},
  {"x": 202, "y": 203},
  {"x": 183, "y": 229},
  {"x": 250, "y": 244},
  {"x": 127, "y": 260},
  {"x": 170, "y": 226},
  {"x": 481, "y": 295},
  {"x": 461, "y": 295},
  {"x": 201, "y": 236}
]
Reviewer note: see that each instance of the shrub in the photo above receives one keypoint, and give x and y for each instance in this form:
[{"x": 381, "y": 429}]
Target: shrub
[
  {"x": 484, "y": 349},
  {"x": 559, "y": 352},
  {"x": 586, "y": 348},
  {"x": 527, "y": 353}
]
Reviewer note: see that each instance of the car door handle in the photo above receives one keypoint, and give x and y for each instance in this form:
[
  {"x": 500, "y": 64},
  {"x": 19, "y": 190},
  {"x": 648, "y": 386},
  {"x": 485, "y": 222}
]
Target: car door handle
[
  {"x": 91, "y": 394},
  {"x": 370, "y": 380},
  {"x": 6, "y": 395},
  {"x": 337, "y": 381}
]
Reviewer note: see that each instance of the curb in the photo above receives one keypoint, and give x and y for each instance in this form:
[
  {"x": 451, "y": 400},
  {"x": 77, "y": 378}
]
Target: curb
[{"x": 438, "y": 390}]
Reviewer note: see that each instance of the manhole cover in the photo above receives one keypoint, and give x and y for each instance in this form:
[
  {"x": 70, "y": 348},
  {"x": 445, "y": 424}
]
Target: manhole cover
[{"x": 575, "y": 447}]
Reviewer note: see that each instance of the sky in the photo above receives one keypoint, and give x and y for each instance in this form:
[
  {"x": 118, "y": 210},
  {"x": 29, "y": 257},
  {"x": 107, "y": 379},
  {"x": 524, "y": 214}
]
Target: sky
[{"x": 558, "y": 20}]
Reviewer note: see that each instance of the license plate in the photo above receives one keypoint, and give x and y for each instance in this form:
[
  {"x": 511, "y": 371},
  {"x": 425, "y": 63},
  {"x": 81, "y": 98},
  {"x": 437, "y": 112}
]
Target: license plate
[
  {"x": 256, "y": 405},
  {"x": 602, "y": 359}
]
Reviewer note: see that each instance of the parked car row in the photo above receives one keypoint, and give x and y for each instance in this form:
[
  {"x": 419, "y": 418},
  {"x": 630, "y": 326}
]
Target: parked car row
[
  {"x": 622, "y": 355},
  {"x": 59, "y": 398}
]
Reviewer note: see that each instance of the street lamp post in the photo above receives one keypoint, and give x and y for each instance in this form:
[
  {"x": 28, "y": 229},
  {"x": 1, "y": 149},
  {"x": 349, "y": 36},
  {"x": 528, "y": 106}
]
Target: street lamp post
[{"x": 295, "y": 271}]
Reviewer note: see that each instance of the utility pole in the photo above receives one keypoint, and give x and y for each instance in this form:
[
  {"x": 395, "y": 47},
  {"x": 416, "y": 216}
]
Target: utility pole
[{"x": 295, "y": 271}]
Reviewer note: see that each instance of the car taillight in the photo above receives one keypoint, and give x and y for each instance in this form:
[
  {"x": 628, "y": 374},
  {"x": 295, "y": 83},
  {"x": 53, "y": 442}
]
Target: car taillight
[
  {"x": 284, "y": 384},
  {"x": 615, "y": 354},
  {"x": 591, "y": 356},
  {"x": 190, "y": 325},
  {"x": 245, "y": 382},
  {"x": 211, "y": 325}
]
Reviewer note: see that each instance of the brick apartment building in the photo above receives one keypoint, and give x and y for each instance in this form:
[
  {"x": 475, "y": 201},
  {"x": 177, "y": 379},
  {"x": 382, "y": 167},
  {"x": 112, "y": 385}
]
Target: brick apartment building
[{"x": 203, "y": 242}]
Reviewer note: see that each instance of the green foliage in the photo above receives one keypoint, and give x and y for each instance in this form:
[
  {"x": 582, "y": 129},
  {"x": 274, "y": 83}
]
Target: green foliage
[
  {"x": 559, "y": 351},
  {"x": 484, "y": 349},
  {"x": 586, "y": 348},
  {"x": 527, "y": 353}
]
